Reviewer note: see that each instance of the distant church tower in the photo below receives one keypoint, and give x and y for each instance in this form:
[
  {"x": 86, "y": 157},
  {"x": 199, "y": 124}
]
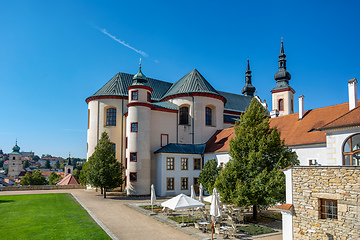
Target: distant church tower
[
  {"x": 15, "y": 163},
  {"x": 248, "y": 89},
  {"x": 69, "y": 168},
  {"x": 282, "y": 93},
  {"x": 138, "y": 126}
]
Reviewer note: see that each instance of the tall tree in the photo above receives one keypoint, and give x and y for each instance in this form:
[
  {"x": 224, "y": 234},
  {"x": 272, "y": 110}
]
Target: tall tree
[
  {"x": 57, "y": 164},
  {"x": 252, "y": 176},
  {"x": 53, "y": 178},
  {"x": 209, "y": 174},
  {"x": 34, "y": 178},
  {"x": 26, "y": 164},
  {"x": 104, "y": 170},
  {"x": 83, "y": 177},
  {"x": 47, "y": 164}
]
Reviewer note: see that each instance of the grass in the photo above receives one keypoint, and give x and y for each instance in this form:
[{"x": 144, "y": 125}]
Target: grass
[
  {"x": 148, "y": 207},
  {"x": 255, "y": 229},
  {"x": 276, "y": 216},
  {"x": 178, "y": 219},
  {"x": 46, "y": 216}
]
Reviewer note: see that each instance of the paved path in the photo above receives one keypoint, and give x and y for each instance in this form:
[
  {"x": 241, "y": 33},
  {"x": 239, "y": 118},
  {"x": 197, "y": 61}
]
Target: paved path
[{"x": 124, "y": 222}]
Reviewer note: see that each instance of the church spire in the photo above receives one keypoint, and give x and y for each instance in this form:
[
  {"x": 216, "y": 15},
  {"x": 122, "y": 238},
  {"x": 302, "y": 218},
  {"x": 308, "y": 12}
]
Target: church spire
[
  {"x": 282, "y": 77},
  {"x": 248, "y": 89}
]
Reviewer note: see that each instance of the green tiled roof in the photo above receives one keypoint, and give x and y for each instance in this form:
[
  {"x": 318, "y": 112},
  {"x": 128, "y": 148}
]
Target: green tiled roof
[
  {"x": 235, "y": 102},
  {"x": 230, "y": 118},
  {"x": 191, "y": 82},
  {"x": 167, "y": 105},
  {"x": 182, "y": 148},
  {"x": 120, "y": 82}
]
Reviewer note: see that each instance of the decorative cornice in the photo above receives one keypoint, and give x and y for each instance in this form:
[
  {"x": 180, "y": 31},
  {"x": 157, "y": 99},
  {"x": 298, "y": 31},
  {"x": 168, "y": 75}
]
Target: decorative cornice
[
  {"x": 164, "y": 110},
  {"x": 210, "y": 95},
  {"x": 139, "y": 104},
  {"x": 283, "y": 90},
  {"x": 89, "y": 99},
  {"x": 140, "y": 86}
]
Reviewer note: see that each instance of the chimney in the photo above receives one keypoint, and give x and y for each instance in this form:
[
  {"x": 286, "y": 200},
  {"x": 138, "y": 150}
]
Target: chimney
[
  {"x": 274, "y": 113},
  {"x": 352, "y": 85},
  {"x": 301, "y": 107}
]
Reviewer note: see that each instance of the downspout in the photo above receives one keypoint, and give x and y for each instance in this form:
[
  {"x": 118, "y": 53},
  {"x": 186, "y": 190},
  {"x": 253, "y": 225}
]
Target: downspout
[
  {"x": 122, "y": 134},
  {"x": 193, "y": 117},
  {"x": 98, "y": 121}
]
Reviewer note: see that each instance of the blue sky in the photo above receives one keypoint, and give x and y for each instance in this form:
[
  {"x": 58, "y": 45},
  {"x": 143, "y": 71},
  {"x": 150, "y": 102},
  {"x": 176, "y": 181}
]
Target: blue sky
[{"x": 55, "y": 54}]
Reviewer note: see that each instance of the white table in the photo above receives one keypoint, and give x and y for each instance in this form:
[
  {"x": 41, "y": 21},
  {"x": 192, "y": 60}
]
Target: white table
[
  {"x": 226, "y": 229},
  {"x": 203, "y": 225}
]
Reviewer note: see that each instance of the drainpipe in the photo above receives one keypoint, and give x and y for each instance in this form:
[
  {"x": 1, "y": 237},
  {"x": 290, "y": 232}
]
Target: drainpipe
[{"x": 192, "y": 120}]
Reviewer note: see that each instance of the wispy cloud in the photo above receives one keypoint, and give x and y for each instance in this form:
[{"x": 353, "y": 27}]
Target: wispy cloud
[{"x": 123, "y": 43}]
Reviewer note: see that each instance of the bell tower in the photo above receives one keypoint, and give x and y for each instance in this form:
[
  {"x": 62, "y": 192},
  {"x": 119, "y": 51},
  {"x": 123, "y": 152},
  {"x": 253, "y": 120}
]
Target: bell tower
[{"x": 282, "y": 93}]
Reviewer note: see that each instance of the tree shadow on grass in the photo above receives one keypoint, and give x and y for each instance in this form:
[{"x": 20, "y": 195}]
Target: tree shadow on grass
[{"x": 6, "y": 201}]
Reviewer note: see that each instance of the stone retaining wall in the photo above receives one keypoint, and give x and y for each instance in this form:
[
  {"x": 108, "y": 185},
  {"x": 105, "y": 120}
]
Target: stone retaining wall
[
  {"x": 310, "y": 184},
  {"x": 41, "y": 187}
]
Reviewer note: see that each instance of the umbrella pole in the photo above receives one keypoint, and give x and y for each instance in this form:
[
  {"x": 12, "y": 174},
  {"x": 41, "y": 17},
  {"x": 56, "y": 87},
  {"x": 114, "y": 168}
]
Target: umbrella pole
[
  {"x": 152, "y": 208},
  {"x": 212, "y": 230},
  {"x": 182, "y": 217}
]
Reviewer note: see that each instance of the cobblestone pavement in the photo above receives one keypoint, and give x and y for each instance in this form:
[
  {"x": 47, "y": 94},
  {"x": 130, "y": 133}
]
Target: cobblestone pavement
[{"x": 126, "y": 222}]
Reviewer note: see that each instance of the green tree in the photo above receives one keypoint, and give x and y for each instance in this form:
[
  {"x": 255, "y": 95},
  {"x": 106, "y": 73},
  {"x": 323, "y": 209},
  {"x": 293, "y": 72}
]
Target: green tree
[
  {"x": 36, "y": 158},
  {"x": 5, "y": 158},
  {"x": 76, "y": 173},
  {"x": 34, "y": 178},
  {"x": 7, "y": 170},
  {"x": 57, "y": 164},
  {"x": 47, "y": 164},
  {"x": 83, "y": 174},
  {"x": 253, "y": 176},
  {"x": 104, "y": 170},
  {"x": 53, "y": 178},
  {"x": 26, "y": 164},
  {"x": 209, "y": 174}
]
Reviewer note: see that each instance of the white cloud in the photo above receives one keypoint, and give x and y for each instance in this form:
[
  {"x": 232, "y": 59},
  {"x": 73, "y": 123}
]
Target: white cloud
[{"x": 123, "y": 43}]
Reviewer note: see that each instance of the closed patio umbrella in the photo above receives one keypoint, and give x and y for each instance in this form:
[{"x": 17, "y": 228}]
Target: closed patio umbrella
[
  {"x": 201, "y": 198},
  {"x": 215, "y": 210},
  {"x": 152, "y": 197}
]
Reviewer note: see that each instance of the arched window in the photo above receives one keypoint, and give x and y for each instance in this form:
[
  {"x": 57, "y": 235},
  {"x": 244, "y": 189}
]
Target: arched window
[
  {"x": 184, "y": 116},
  {"x": 111, "y": 117},
  {"x": 208, "y": 116},
  {"x": 351, "y": 150},
  {"x": 281, "y": 104}
]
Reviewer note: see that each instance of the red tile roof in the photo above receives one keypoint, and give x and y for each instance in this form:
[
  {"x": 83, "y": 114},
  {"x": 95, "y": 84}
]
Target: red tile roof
[
  {"x": 219, "y": 142},
  {"x": 306, "y": 131},
  {"x": 295, "y": 131},
  {"x": 286, "y": 206},
  {"x": 68, "y": 180}
]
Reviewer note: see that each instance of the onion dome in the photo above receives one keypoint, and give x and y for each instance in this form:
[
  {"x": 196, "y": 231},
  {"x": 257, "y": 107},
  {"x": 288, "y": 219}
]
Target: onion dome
[
  {"x": 16, "y": 149},
  {"x": 139, "y": 78},
  {"x": 248, "y": 89},
  {"x": 282, "y": 77}
]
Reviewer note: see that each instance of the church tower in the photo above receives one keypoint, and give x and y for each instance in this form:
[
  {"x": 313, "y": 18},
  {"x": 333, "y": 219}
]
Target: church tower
[
  {"x": 15, "y": 163},
  {"x": 138, "y": 126},
  {"x": 69, "y": 168},
  {"x": 248, "y": 89},
  {"x": 282, "y": 93}
]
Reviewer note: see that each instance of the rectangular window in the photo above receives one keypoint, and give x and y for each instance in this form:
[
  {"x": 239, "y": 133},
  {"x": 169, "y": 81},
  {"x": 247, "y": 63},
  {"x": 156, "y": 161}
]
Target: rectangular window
[
  {"x": 149, "y": 97},
  {"x": 133, "y": 157},
  {"x": 197, "y": 163},
  {"x": 111, "y": 117},
  {"x": 133, "y": 177},
  {"x": 126, "y": 142},
  {"x": 312, "y": 162},
  {"x": 208, "y": 116},
  {"x": 170, "y": 184},
  {"x": 134, "y": 127},
  {"x": 196, "y": 181},
  {"x": 134, "y": 95},
  {"x": 126, "y": 164},
  {"x": 184, "y": 164},
  {"x": 184, "y": 183},
  {"x": 164, "y": 139},
  {"x": 222, "y": 165},
  {"x": 328, "y": 209},
  {"x": 170, "y": 164}
]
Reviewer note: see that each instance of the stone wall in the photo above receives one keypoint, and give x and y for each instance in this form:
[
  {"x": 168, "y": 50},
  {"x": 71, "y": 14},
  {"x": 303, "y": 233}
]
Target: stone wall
[
  {"x": 310, "y": 184},
  {"x": 41, "y": 187}
]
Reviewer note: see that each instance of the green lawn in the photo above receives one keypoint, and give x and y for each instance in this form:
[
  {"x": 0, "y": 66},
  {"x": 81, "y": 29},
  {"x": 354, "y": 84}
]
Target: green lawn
[{"x": 46, "y": 216}]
